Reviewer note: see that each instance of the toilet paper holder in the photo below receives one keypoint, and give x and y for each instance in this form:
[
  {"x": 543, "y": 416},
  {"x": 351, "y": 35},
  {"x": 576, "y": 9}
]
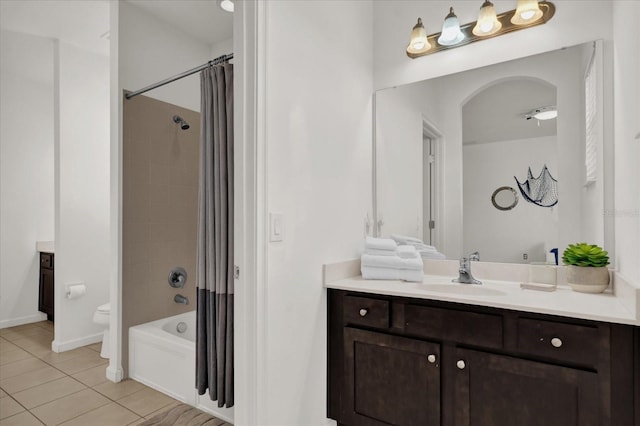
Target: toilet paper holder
[
  {"x": 177, "y": 277},
  {"x": 75, "y": 290}
]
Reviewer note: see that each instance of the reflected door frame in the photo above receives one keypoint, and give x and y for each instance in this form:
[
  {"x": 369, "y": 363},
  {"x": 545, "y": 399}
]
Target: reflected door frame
[{"x": 433, "y": 190}]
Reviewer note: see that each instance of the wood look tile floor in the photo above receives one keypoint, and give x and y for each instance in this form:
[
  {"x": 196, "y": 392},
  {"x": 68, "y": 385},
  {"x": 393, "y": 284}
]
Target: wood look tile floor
[{"x": 39, "y": 386}]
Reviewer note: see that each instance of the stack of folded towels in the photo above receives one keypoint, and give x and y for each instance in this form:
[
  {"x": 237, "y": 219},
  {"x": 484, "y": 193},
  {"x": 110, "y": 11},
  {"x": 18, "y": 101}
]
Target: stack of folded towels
[
  {"x": 384, "y": 260},
  {"x": 425, "y": 251}
]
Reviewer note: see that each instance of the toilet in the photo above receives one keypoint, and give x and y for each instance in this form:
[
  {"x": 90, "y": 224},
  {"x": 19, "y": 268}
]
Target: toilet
[{"x": 101, "y": 316}]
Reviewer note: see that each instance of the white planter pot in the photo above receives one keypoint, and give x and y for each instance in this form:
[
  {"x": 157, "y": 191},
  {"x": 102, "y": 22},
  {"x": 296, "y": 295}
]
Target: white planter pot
[{"x": 587, "y": 279}]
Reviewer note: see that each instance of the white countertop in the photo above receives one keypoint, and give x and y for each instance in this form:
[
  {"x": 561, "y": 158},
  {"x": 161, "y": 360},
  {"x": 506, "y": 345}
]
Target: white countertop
[
  {"x": 500, "y": 294},
  {"x": 44, "y": 246}
]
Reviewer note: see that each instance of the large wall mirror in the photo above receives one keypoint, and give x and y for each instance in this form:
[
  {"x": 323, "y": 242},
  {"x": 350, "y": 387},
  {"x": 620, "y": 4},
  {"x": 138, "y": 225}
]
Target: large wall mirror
[{"x": 444, "y": 146}]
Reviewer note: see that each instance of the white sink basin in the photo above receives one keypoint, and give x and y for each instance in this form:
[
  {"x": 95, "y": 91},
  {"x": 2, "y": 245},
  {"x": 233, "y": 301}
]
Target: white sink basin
[
  {"x": 474, "y": 289},
  {"x": 438, "y": 284}
]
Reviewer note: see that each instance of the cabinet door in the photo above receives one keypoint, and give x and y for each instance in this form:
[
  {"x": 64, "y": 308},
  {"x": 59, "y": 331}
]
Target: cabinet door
[
  {"x": 495, "y": 390},
  {"x": 46, "y": 292},
  {"x": 390, "y": 380}
]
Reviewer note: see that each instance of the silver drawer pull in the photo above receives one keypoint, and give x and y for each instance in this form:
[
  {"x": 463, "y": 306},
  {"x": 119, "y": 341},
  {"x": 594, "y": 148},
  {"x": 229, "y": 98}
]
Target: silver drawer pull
[
  {"x": 556, "y": 342},
  {"x": 431, "y": 358},
  {"x": 363, "y": 312},
  {"x": 460, "y": 364}
]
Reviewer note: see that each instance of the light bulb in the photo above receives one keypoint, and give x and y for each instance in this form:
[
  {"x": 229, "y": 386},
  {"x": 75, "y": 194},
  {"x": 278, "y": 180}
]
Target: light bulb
[
  {"x": 450, "y": 33},
  {"x": 543, "y": 113},
  {"x": 487, "y": 23},
  {"x": 527, "y": 15},
  {"x": 528, "y": 11},
  {"x": 419, "y": 42},
  {"x": 226, "y": 5},
  {"x": 546, "y": 115}
]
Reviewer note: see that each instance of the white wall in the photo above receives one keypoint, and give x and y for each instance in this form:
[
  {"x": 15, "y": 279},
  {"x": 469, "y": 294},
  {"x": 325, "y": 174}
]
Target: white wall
[
  {"x": 505, "y": 236},
  {"x": 223, "y": 47},
  {"x": 399, "y": 160},
  {"x": 627, "y": 147},
  {"x": 115, "y": 371},
  {"x": 318, "y": 175},
  {"x": 26, "y": 170},
  {"x": 82, "y": 205},
  {"x": 575, "y": 22},
  {"x": 151, "y": 50}
]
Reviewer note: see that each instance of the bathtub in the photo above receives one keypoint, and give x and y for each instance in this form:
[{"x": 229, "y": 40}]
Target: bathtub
[{"x": 164, "y": 358}]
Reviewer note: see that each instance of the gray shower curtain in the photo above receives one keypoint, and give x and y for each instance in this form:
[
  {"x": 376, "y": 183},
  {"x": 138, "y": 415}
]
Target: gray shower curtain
[{"x": 214, "y": 275}]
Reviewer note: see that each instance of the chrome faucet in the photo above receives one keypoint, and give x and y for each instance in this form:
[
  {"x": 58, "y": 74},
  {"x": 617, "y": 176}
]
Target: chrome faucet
[
  {"x": 181, "y": 299},
  {"x": 465, "y": 270}
]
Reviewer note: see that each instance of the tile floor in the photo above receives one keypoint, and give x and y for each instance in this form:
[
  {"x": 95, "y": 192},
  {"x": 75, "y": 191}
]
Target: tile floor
[{"x": 38, "y": 386}]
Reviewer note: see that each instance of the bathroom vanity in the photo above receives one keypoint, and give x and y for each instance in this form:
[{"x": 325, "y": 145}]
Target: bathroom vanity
[
  {"x": 401, "y": 360},
  {"x": 46, "y": 282}
]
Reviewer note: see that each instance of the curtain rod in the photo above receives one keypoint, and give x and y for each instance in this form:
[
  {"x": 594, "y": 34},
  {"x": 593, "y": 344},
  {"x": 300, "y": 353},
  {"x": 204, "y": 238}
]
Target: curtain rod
[{"x": 216, "y": 61}]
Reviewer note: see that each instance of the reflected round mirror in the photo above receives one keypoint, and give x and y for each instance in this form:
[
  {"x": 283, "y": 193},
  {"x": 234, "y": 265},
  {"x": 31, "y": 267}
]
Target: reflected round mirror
[{"x": 504, "y": 198}]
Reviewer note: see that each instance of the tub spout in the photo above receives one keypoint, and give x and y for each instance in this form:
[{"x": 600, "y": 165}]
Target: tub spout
[{"x": 181, "y": 299}]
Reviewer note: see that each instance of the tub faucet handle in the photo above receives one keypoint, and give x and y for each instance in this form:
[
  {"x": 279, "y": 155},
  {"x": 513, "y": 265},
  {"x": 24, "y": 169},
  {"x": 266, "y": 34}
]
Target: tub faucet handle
[{"x": 177, "y": 277}]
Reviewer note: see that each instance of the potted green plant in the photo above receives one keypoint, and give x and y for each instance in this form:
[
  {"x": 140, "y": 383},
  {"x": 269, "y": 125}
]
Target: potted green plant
[{"x": 587, "y": 270}]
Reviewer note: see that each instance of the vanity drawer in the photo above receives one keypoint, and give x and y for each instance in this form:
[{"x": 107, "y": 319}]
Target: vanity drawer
[
  {"x": 46, "y": 260},
  {"x": 472, "y": 328},
  {"x": 566, "y": 342},
  {"x": 366, "y": 311}
]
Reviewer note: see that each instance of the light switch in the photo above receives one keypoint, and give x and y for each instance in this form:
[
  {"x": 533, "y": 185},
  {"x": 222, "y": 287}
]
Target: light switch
[{"x": 276, "y": 228}]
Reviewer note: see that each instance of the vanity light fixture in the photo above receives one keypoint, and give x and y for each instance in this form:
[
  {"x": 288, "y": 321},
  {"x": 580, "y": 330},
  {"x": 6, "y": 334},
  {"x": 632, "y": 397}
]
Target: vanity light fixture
[
  {"x": 419, "y": 43},
  {"x": 542, "y": 113},
  {"x": 487, "y": 23},
  {"x": 451, "y": 33},
  {"x": 528, "y": 13},
  {"x": 226, "y": 5}
]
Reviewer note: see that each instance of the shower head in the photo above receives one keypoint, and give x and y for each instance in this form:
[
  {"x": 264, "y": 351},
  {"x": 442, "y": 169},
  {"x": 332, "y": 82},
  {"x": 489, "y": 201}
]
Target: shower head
[{"x": 183, "y": 124}]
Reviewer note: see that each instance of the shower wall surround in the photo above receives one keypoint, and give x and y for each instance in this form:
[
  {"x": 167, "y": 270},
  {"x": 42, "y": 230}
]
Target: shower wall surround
[{"x": 159, "y": 217}]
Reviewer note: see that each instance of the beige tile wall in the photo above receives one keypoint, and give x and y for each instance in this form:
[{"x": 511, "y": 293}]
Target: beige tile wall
[{"x": 160, "y": 200}]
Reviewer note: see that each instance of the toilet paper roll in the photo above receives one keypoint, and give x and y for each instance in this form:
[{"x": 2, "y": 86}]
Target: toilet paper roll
[{"x": 76, "y": 290}]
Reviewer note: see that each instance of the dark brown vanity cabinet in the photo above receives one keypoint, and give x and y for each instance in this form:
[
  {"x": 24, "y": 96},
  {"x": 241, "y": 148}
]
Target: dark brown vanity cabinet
[
  {"x": 395, "y": 380},
  {"x": 46, "y": 292},
  {"x": 400, "y": 361},
  {"x": 500, "y": 390}
]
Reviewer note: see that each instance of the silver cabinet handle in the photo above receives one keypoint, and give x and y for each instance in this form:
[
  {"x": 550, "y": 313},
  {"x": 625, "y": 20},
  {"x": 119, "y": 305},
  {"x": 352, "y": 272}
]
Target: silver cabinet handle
[
  {"x": 363, "y": 312},
  {"x": 460, "y": 364},
  {"x": 431, "y": 358},
  {"x": 556, "y": 342}
]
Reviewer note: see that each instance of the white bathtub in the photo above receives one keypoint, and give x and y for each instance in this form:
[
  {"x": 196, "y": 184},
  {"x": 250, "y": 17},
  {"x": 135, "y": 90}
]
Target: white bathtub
[{"x": 163, "y": 358}]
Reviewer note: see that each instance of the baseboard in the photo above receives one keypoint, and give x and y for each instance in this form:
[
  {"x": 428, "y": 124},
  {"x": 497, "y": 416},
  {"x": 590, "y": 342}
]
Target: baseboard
[
  {"x": 331, "y": 422},
  {"x": 76, "y": 343},
  {"x": 115, "y": 374},
  {"x": 12, "y": 322},
  {"x": 220, "y": 414}
]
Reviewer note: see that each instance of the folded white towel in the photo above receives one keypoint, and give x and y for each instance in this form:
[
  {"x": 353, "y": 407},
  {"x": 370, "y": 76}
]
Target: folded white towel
[
  {"x": 380, "y": 244},
  {"x": 376, "y": 252},
  {"x": 432, "y": 255},
  {"x": 407, "y": 252},
  {"x": 392, "y": 262},
  {"x": 421, "y": 246},
  {"x": 373, "y": 273},
  {"x": 405, "y": 239}
]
